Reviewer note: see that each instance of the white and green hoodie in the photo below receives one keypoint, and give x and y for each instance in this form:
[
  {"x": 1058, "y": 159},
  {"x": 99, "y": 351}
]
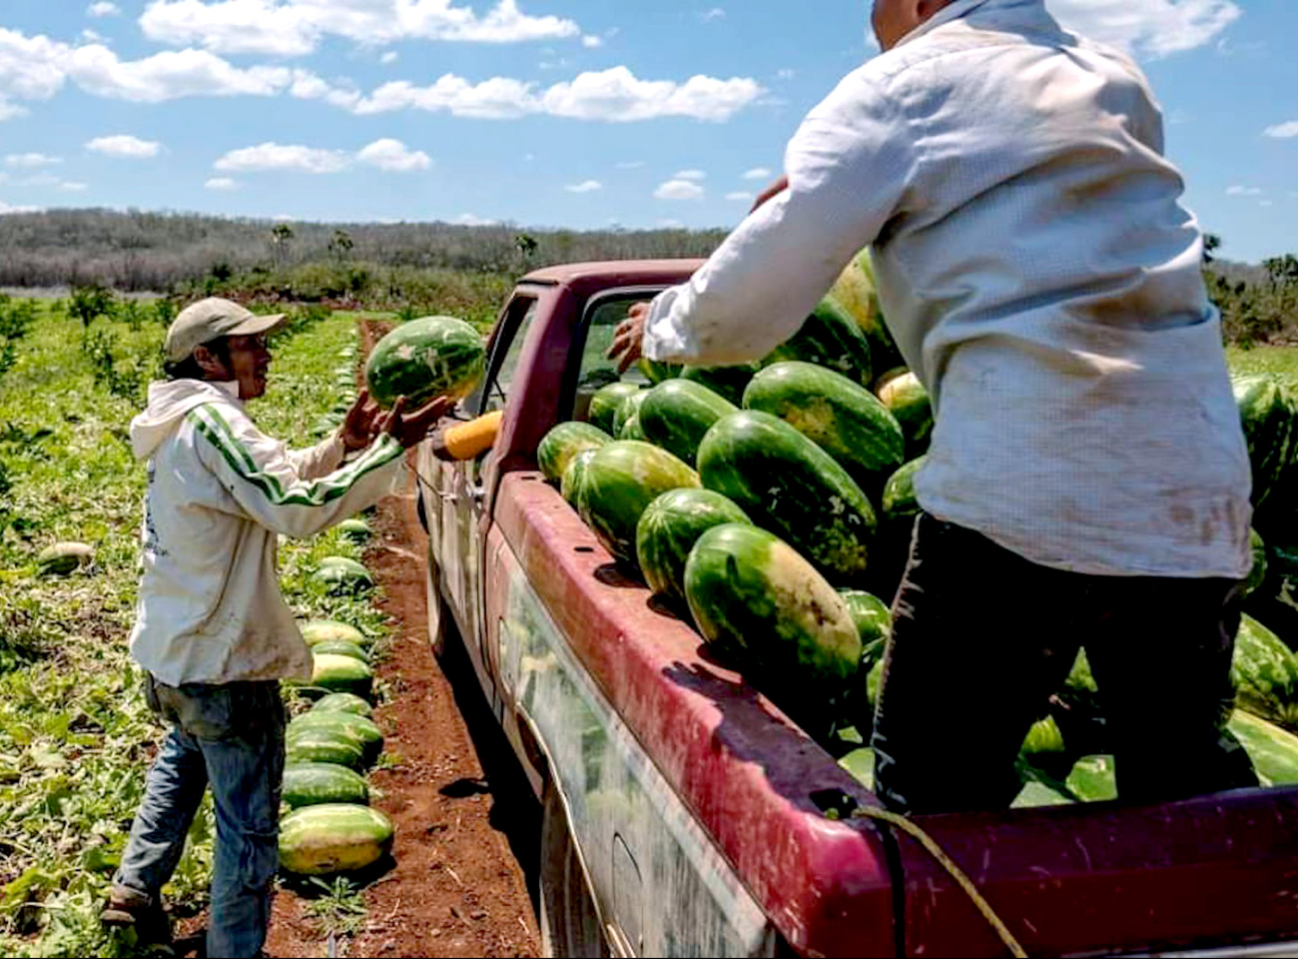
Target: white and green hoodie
[{"x": 220, "y": 493}]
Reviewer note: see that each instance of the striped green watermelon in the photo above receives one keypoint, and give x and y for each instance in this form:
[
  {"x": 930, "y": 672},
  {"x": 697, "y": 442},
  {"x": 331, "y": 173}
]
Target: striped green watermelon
[
  {"x": 342, "y": 575},
  {"x": 628, "y": 408},
  {"x": 343, "y": 725},
  {"x": 573, "y": 477},
  {"x": 355, "y": 529},
  {"x": 341, "y": 674},
  {"x": 310, "y": 784},
  {"x": 908, "y": 401},
  {"x": 668, "y": 530},
  {"x": 840, "y": 416},
  {"x": 1274, "y": 751},
  {"x": 64, "y": 558},
  {"x": 656, "y": 371},
  {"x": 1267, "y": 410},
  {"x": 604, "y": 404},
  {"x": 763, "y": 607},
  {"x": 326, "y": 630},
  {"x": 728, "y": 382},
  {"x": 632, "y": 430},
  {"x": 854, "y": 291},
  {"x": 872, "y": 617},
  {"x": 324, "y": 746},
  {"x": 563, "y": 442},
  {"x": 829, "y": 338},
  {"x": 1265, "y": 674},
  {"x": 677, "y": 414},
  {"x": 343, "y": 703},
  {"x": 1093, "y": 779},
  {"x": 621, "y": 479},
  {"x": 340, "y": 647},
  {"x": 790, "y": 486},
  {"x": 333, "y": 838},
  {"x": 424, "y": 358},
  {"x": 899, "y": 502},
  {"x": 1257, "y": 572}
]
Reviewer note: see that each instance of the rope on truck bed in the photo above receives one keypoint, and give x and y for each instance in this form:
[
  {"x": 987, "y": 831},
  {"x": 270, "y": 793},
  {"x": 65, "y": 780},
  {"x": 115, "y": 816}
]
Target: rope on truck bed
[{"x": 954, "y": 871}]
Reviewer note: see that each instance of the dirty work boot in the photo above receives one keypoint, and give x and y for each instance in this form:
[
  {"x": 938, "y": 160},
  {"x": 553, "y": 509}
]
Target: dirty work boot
[{"x": 129, "y": 909}]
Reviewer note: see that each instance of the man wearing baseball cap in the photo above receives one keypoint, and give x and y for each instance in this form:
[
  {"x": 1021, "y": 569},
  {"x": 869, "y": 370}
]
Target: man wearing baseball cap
[{"x": 212, "y": 631}]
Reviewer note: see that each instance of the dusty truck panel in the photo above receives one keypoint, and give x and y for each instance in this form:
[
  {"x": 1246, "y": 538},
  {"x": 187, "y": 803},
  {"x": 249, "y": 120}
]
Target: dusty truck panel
[{"x": 666, "y": 886}]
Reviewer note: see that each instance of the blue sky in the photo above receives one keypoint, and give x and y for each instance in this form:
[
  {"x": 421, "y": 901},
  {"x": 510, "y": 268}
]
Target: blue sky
[{"x": 549, "y": 112}]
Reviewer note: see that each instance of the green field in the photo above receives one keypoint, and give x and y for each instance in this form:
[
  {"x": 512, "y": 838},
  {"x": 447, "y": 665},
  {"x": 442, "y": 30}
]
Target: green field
[
  {"x": 75, "y": 735},
  {"x": 1281, "y": 360}
]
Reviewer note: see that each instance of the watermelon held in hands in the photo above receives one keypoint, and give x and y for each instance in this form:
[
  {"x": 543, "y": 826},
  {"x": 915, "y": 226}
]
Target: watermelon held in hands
[
  {"x": 668, "y": 530},
  {"x": 840, "y": 416},
  {"x": 790, "y": 486},
  {"x": 676, "y": 415},
  {"x": 604, "y": 404},
  {"x": 332, "y": 838},
  {"x": 767, "y": 610},
  {"x": 563, "y": 442},
  {"x": 426, "y": 358},
  {"x": 621, "y": 479}
]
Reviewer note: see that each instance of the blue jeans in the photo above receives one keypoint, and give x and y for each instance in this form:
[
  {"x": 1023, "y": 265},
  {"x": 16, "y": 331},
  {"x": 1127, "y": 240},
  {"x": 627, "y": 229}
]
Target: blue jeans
[{"x": 231, "y": 736}]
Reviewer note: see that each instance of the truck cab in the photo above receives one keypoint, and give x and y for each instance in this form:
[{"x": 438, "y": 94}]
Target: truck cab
[{"x": 686, "y": 815}]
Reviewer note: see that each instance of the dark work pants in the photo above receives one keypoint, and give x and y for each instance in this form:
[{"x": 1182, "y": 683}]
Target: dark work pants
[{"x": 982, "y": 638}]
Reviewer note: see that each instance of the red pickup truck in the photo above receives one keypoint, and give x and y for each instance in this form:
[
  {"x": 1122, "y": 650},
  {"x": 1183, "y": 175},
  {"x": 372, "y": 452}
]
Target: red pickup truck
[{"x": 685, "y": 815}]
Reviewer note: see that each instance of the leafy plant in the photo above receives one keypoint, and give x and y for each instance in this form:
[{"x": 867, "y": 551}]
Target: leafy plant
[{"x": 88, "y": 303}]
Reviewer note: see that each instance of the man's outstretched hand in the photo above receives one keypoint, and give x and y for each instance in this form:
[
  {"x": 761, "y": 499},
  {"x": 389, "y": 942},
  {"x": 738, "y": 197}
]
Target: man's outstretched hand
[
  {"x": 629, "y": 336},
  {"x": 360, "y": 426},
  {"x": 409, "y": 429}
]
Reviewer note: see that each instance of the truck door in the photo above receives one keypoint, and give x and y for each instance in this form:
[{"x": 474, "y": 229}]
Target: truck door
[{"x": 462, "y": 508}]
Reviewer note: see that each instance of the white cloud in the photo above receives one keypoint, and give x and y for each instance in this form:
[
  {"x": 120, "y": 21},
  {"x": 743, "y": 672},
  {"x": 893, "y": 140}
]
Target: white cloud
[
  {"x": 41, "y": 179},
  {"x": 274, "y": 157},
  {"x": 690, "y": 175},
  {"x": 221, "y": 183},
  {"x": 71, "y": 186},
  {"x": 592, "y": 42},
  {"x": 389, "y": 58},
  {"x": 1239, "y": 190},
  {"x": 1156, "y": 28},
  {"x": 708, "y": 16},
  {"x": 6, "y": 208},
  {"x": 1282, "y": 131},
  {"x": 678, "y": 190},
  {"x": 393, "y": 156},
  {"x": 585, "y": 186},
  {"x": 740, "y": 196},
  {"x": 90, "y": 36},
  {"x": 297, "y": 27},
  {"x": 471, "y": 219},
  {"x": 31, "y": 161},
  {"x": 758, "y": 173},
  {"x": 125, "y": 147},
  {"x": 103, "y": 9}
]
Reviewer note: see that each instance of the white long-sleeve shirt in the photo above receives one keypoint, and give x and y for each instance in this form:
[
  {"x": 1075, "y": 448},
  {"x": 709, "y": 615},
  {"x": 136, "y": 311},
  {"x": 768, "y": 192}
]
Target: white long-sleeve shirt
[
  {"x": 220, "y": 494},
  {"x": 1039, "y": 275}
]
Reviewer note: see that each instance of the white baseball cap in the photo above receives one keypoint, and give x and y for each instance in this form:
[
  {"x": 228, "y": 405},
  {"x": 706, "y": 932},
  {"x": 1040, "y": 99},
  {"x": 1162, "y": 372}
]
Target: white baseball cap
[{"x": 211, "y": 319}]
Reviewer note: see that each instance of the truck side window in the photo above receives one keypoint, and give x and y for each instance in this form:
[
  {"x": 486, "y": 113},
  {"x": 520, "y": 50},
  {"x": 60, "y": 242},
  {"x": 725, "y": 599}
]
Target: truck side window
[
  {"x": 596, "y": 369},
  {"x": 505, "y": 354}
]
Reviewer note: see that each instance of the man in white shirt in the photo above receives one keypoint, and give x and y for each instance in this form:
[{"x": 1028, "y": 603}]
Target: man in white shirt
[
  {"x": 1088, "y": 481},
  {"x": 212, "y": 630}
]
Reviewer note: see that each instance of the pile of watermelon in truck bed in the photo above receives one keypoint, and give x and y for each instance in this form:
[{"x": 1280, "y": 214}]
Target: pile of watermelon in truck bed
[{"x": 668, "y": 586}]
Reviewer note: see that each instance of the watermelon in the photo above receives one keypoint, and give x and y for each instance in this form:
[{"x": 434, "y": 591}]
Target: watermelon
[
  {"x": 906, "y": 398},
  {"x": 604, "y": 404},
  {"x": 324, "y": 745},
  {"x": 1257, "y": 572},
  {"x": 310, "y": 784},
  {"x": 1274, "y": 751},
  {"x": 425, "y": 358},
  {"x": 840, "y": 416},
  {"x": 622, "y": 479},
  {"x": 860, "y": 763},
  {"x": 1265, "y": 674},
  {"x": 574, "y": 478},
  {"x": 668, "y": 530},
  {"x": 340, "y": 725},
  {"x": 829, "y": 337},
  {"x": 728, "y": 382},
  {"x": 792, "y": 487},
  {"x": 1092, "y": 779},
  {"x": 341, "y": 674},
  {"x": 327, "y": 630},
  {"x": 1267, "y": 411},
  {"x": 333, "y": 838},
  {"x": 656, "y": 371},
  {"x": 343, "y": 703},
  {"x": 340, "y": 647},
  {"x": 64, "y": 558},
  {"x": 1043, "y": 737},
  {"x": 342, "y": 575},
  {"x": 628, "y": 408},
  {"x": 854, "y": 291},
  {"x": 356, "y": 530},
  {"x": 762, "y": 606},
  {"x": 632, "y": 430},
  {"x": 899, "y": 503},
  {"x": 677, "y": 414},
  {"x": 872, "y": 617},
  {"x": 561, "y": 444}
]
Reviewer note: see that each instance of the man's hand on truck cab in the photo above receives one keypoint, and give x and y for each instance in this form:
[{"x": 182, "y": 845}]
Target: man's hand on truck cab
[
  {"x": 628, "y": 337},
  {"x": 409, "y": 429}
]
